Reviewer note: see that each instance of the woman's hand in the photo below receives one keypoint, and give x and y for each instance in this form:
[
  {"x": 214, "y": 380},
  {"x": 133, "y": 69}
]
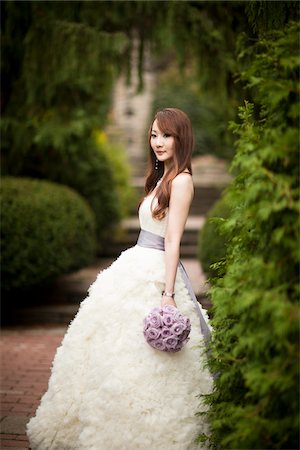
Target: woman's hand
[{"x": 166, "y": 300}]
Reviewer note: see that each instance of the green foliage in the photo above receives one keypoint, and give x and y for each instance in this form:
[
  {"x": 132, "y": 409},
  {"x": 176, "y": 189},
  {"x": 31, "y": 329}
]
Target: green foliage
[
  {"x": 60, "y": 58},
  {"x": 207, "y": 114},
  {"x": 46, "y": 230},
  {"x": 265, "y": 16},
  {"x": 61, "y": 92},
  {"x": 255, "y": 346},
  {"x": 115, "y": 155},
  {"x": 206, "y": 32},
  {"x": 70, "y": 156},
  {"x": 211, "y": 243},
  {"x": 54, "y": 77}
]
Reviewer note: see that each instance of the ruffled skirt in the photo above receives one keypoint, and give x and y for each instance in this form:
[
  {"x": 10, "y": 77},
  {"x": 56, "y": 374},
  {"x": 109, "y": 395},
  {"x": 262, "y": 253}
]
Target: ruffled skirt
[{"x": 108, "y": 389}]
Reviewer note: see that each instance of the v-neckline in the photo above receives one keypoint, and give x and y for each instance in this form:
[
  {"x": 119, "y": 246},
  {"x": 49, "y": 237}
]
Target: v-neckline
[{"x": 153, "y": 192}]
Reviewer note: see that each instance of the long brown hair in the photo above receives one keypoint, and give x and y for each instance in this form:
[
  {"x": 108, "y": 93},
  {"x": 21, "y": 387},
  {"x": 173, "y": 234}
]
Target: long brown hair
[{"x": 176, "y": 123}]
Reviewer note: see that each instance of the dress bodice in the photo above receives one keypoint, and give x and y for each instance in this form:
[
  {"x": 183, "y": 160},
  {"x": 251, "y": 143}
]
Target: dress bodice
[{"x": 147, "y": 222}]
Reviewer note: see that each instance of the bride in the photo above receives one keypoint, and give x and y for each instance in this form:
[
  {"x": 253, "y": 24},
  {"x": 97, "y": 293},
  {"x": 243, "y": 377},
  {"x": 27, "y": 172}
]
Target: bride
[{"x": 109, "y": 389}]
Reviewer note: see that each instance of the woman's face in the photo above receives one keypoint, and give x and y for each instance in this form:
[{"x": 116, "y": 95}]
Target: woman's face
[{"x": 162, "y": 144}]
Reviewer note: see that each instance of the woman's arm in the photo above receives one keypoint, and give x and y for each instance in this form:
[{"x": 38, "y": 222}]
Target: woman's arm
[{"x": 182, "y": 192}]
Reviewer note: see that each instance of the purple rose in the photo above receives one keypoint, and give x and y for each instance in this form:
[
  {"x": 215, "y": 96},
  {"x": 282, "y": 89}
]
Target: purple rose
[
  {"x": 180, "y": 319},
  {"x": 178, "y": 316},
  {"x": 158, "y": 344},
  {"x": 155, "y": 320},
  {"x": 170, "y": 342},
  {"x": 168, "y": 319},
  {"x": 169, "y": 309},
  {"x": 166, "y": 332},
  {"x": 146, "y": 324},
  {"x": 177, "y": 328},
  {"x": 153, "y": 333}
]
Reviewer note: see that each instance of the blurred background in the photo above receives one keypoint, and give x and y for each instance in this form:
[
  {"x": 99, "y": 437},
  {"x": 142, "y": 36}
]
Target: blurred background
[{"x": 80, "y": 82}]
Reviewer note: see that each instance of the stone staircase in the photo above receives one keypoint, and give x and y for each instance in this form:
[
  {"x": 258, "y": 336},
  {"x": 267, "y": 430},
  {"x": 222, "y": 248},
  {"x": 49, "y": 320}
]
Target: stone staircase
[{"x": 204, "y": 198}]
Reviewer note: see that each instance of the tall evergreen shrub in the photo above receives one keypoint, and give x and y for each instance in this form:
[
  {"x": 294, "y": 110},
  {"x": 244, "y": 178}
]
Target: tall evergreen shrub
[
  {"x": 211, "y": 243},
  {"x": 255, "y": 345}
]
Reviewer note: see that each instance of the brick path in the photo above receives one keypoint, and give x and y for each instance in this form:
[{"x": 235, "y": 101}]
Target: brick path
[{"x": 26, "y": 357}]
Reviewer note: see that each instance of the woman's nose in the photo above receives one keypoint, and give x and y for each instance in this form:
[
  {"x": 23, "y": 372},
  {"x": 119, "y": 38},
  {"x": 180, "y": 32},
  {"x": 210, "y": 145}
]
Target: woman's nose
[{"x": 159, "y": 141}]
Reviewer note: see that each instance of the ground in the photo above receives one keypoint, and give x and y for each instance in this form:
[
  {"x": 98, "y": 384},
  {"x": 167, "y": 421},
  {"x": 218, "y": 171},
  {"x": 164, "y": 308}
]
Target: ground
[{"x": 27, "y": 354}]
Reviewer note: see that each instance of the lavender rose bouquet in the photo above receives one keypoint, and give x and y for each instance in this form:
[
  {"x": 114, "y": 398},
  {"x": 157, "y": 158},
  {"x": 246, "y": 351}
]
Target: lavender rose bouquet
[{"x": 166, "y": 329}]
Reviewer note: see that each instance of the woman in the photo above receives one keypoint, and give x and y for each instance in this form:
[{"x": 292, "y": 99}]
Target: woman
[{"x": 110, "y": 390}]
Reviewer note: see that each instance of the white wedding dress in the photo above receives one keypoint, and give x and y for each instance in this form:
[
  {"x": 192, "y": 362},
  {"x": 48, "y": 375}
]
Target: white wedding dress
[{"x": 109, "y": 390}]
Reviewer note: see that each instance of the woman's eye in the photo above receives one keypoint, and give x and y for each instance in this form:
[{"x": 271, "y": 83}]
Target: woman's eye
[
  {"x": 153, "y": 135},
  {"x": 167, "y": 135}
]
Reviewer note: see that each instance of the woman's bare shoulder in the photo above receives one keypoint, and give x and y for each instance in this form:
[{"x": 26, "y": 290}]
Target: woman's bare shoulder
[
  {"x": 182, "y": 188},
  {"x": 183, "y": 180}
]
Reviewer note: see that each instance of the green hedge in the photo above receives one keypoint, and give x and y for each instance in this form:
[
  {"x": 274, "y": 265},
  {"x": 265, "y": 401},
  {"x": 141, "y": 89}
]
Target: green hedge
[
  {"x": 255, "y": 344},
  {"x": 67, "y": 154},
  {"x": 46, "y": 230},
  {"x": 211, "y": 243},
  {"x": 127, "y": 198}
]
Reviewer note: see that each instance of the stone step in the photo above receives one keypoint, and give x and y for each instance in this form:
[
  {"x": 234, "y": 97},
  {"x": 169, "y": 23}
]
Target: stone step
[
  {"x": 188, "y": 250},
  {"x": 204, "y": 199},
  {"x": 60, "y": 315},
  {"x": 43, "y": 315},
  {"x": 61, "y": 300},
  {"x": 204, "y": 196},
  {"x": 129, "y": 238},
  {"x": 115, "y": 249},
  {"x": 131, "y": 228}
]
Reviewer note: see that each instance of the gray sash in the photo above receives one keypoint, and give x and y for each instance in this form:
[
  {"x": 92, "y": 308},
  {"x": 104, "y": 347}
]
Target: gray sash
[{"x": 151, "y": 240}]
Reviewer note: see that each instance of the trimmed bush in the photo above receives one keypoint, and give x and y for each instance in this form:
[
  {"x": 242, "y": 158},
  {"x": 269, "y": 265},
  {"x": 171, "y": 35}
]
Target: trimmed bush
[
  {"x": 211, "y": 243},
  {"x": 67, "y": 155},
  {"x": 47, "y": 230}
]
